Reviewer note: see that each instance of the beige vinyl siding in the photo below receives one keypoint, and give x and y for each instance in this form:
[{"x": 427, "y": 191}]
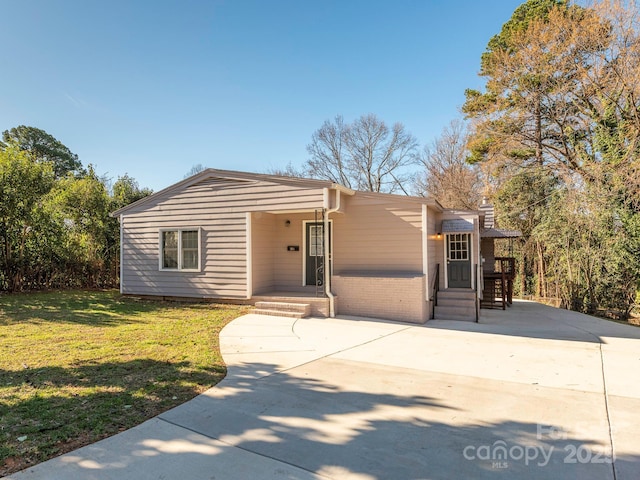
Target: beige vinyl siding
[
  {"x": 435, "y": 250},
  {"x": 288, "y": 265},
  {"x": 379, "y": 258},
  {"x": 218, "y": 207},
  {"x": 263, "y": 237},
  {"x": 378, "y": 235},
  {"x": 237, "y": 196},
  {"x": 487, "y": 249},
  {"x": 436, "y": 247},
  {"x": 274, "y": 266}
]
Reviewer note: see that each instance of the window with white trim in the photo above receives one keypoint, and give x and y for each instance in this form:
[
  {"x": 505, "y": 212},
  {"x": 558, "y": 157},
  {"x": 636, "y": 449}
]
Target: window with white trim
[
  {"x": 458, "y": 246},
  {"x": 316, "y": 240},
  {"x": 180, "y": 249}
]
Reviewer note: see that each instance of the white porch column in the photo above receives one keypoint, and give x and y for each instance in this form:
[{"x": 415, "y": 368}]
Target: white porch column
[{"x": 249, "y": 256}]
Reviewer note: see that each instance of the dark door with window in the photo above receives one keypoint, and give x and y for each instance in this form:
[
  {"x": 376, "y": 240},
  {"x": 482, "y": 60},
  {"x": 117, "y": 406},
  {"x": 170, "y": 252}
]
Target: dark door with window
[
  {"x": 314, "y": 254},
  {"x": 459, "y": 260}
]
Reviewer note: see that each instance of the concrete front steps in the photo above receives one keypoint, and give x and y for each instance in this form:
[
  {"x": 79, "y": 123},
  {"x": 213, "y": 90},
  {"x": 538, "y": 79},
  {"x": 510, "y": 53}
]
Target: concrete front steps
[
  {"x": 283, "y": 309},
  {"x": 456, "y": 304}
]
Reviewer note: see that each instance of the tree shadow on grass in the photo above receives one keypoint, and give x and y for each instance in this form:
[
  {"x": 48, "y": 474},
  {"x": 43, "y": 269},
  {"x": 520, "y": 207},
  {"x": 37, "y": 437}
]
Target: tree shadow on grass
[
  {"x": 91, "y": 308},
  {"x": 299, "y": 425},
  {"x": 54, "y": 409}
]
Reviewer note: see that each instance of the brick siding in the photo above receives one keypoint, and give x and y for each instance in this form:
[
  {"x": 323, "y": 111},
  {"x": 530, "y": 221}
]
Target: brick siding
[{"x": 400, "y": 298}]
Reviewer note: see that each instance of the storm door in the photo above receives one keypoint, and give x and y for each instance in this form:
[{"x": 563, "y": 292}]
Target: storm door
[{"x": 314, "y": 254}]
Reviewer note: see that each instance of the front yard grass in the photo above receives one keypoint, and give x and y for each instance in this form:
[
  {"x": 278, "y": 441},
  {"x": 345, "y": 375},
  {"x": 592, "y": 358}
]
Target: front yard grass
[{"x": 79, "y": 366}]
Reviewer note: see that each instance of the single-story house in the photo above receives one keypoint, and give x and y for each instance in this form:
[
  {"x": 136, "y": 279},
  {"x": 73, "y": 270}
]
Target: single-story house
[{"x": 275, "y": 241}]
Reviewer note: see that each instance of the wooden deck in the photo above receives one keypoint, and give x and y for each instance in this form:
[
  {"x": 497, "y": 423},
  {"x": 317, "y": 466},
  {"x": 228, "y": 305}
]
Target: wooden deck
[{"x": 497, "y": 291}]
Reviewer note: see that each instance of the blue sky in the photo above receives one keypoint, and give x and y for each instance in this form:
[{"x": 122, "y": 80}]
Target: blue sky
[{"x": 151, "y": 88}]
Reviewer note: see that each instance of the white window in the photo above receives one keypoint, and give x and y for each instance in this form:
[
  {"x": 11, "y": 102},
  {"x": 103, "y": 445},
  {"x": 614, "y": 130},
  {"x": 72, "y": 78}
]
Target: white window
[
  {"x": 180, "y": 249},
  {"x": 316, "y": 240},
  {"x": 458, "y": 246}
]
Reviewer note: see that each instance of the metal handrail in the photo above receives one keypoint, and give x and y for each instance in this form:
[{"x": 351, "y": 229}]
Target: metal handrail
[
  {"x": 319, "y": 272},
  {"x": 434, "y": 291}
]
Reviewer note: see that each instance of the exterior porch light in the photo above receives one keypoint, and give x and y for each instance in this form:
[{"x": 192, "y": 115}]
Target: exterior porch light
[
  {"x": 439, "y": 235},
  {"x": 287, "y": 223}
]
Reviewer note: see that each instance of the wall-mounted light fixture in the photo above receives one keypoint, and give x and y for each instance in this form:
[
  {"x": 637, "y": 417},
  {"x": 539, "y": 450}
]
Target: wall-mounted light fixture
[
  {"x": 287, "y": 223},
  {"x": 439, "y": 235}
]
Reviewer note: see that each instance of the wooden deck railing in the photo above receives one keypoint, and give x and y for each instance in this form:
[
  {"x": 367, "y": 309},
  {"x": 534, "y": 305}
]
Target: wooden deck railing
[{"x": 498, "y": 284}]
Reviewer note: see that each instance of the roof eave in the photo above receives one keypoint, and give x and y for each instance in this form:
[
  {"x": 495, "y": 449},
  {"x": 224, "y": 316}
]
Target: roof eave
[
  {"x": 343, "y": 189},
  {"x": 232, "y": 175},
  {"x": 175, "y": 186}
]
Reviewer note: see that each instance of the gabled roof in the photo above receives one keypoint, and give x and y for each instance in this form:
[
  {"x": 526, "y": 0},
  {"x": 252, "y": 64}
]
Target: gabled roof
[
  {"x": 233, "y": 175},
  {"x": 264, "y": 177}
]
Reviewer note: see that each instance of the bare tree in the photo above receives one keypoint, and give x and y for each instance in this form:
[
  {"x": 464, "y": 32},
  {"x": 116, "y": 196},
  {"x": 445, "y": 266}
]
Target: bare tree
[
  {"x": 289, "y": 171},
  {"x": 329, "y": 157},
  {"x": 364, "y": 155},
  {"x": 446, "y": 175},
  {"x": 195, "y": 170}
]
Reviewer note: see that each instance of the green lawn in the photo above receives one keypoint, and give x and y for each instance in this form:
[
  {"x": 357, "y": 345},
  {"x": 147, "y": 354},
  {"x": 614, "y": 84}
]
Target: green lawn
[{"x": 76, "y": 367}]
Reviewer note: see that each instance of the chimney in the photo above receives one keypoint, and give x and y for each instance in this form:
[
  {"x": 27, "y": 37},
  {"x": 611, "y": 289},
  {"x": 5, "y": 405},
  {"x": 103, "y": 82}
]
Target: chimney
[{"x": 488, "y": 211}]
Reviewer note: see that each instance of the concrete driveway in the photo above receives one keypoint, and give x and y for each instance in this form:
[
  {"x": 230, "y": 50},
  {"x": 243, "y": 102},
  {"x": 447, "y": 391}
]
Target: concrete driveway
[{"x": 533, "y": 392}]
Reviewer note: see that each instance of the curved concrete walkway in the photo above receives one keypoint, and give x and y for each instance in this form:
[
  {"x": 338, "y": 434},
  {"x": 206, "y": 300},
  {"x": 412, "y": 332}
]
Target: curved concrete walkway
[{"x": 533, "y": 392}]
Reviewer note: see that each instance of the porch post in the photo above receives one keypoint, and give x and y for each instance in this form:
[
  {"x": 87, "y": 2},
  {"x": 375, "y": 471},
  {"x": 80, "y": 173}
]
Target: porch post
[
  {"x": 249, "y": 256},
  {"x": 326, "y": 210},
  {"x": 425, "y": 250},
  {"x": 121, "y": 218}
]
